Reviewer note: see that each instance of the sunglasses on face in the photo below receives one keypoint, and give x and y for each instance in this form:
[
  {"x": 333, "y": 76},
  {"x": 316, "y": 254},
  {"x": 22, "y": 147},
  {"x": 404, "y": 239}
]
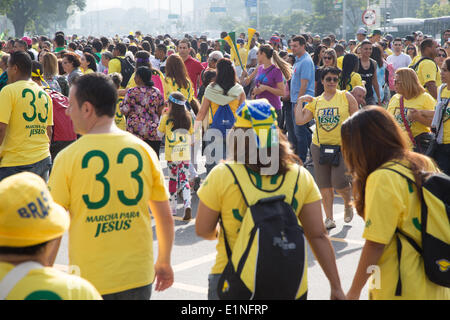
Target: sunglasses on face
[
  {"x": 442, "y": 55},
  {"x": 327, "y": 58},
  {"x": 332, "y": 79}
]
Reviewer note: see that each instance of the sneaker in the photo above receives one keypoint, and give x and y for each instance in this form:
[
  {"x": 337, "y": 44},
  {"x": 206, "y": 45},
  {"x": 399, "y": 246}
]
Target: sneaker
[
  {"x": 187, "y": 214},
  {"x": 348, "y": 217},
  {"x": 330, "y": 224}
]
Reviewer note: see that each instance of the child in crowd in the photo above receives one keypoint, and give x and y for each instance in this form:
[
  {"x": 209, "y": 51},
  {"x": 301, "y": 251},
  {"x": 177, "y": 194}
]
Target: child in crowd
[
  {"x": 177, "y": 126},
  {"x": 121, "y": 120}
]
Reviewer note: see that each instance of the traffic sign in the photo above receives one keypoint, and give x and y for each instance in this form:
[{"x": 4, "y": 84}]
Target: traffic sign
[
  {"x": 218, "y": 9},
  {"x": 369, "y": 17},
  {"x": 251, "y": 3}
]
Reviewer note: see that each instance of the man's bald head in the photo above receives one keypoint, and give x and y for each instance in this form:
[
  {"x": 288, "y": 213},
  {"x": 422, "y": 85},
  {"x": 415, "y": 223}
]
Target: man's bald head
[{"x": 360, "y": 95}]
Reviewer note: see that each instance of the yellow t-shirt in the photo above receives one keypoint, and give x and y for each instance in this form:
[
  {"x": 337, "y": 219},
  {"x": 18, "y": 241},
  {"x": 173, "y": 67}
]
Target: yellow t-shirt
[
  {"x": 389, "y": 52},
  {"x": 120, "y": 119},
  {"x": 340, "y": 62},
  {"x": 27, "y": 110},
  {"x": 88, "y": 71},
  {"x": 423, "y": 102},
  {"x": 428, "y": 71},
  {"x": 416, "y": 58},
  {"x": 178, "y": 146},
  {"x": 329, "y": 116},
  {"x": 390, "y": 203},
  {"x": 171, "y": 86},
  {"x": 355, "y": 81},
  {"x": 446, "y": 125},
  {"x": 220, "y": 193},
  {"x": 106, "y": 182},
  {"x": 49, "y": 284},
  {"x": 115, "y": 65}
]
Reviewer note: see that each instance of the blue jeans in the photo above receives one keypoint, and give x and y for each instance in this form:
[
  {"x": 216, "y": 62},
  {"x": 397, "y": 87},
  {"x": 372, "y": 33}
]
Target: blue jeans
[
  {"x": 303, "y": 136},
  {"x": 290, "y": 123},
  {"x": 143, "y": 293},
  {"x": 41, "y": 168}
]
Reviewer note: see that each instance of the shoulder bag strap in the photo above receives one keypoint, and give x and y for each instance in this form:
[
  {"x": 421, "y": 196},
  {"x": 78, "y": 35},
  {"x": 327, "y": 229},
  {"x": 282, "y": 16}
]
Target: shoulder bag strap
[
  {"x": 405, "y": 122},
  {"x": 14, "y": 276},
  {"x": 444, "y": 109}
]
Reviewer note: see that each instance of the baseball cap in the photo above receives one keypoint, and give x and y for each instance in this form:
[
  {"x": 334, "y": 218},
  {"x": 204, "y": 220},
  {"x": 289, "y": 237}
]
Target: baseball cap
[
  {"x": 389, "y": 37},
  {"x": 27, "y": 40},
  {"x": 126, "y": 41},
  {"x": 28, "y": 214},
  {"x": 418, "y": 33},
  {"x": 376, "y": 32},
  {"x": 362, "y": 31}
]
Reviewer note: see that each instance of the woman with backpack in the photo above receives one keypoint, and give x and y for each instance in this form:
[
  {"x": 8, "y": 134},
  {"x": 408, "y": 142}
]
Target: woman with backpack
[
  {"x": 410, "y": 100},
  {"x": 238, "y": 184},
  {"x": 329, "y": 110},
  {"x": 269, "y": 77},
  {"x": 221, "y": 100},
  {"x": 377, "y": 154}
]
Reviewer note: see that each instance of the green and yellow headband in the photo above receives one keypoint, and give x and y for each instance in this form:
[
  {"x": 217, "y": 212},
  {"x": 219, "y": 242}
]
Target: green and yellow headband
[{"x": 262, "y": 117}]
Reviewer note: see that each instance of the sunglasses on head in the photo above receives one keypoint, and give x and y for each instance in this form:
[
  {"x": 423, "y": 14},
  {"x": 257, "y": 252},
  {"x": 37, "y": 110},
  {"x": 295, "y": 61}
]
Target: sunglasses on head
[{"x": 332, "y": 79}]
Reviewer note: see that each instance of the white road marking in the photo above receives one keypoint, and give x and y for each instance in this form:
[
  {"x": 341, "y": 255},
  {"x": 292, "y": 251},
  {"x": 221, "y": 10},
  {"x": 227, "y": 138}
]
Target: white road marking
[
  {"x": 195, "y": 262},
  {"x": 190, "y": 288}
]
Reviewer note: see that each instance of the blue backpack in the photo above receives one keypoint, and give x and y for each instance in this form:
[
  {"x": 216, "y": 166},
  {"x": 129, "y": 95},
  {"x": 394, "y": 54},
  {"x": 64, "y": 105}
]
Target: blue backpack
[{"x": 224, "y": 119}]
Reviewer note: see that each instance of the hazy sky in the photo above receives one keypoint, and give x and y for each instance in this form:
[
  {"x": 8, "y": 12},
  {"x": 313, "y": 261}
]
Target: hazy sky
[{"x": 151, "y": 4}]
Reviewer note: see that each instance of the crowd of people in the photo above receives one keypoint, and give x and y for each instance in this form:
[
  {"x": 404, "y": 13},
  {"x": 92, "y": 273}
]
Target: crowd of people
[{"x": 94, "y": 117}]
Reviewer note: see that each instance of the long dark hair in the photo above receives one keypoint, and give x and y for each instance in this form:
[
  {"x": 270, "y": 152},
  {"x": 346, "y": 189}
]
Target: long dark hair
[
  {"x": 92, "y": 63},
  {"x": 178, "y": 114},
  {"x": 143, "y": 59},
  {"x": 377, "y": 55},
  {"x": 145, "y": 73},
  {"x": 371, "y": 138},
  {"x": 350, "y": 64},
  {"x": 226, "y": 75},
  {"x": 316, "y": 57}
]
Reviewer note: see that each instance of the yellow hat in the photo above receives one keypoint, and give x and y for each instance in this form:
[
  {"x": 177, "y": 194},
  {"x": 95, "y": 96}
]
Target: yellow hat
[
  {"x": 262, "y": 117},
  {"x": 28, "y": 214}
]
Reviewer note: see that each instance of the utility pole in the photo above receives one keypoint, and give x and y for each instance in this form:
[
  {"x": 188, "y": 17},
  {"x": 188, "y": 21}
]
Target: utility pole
[
  {"x": 344, "y": 17},
  {"x": 258, "y": 13}
]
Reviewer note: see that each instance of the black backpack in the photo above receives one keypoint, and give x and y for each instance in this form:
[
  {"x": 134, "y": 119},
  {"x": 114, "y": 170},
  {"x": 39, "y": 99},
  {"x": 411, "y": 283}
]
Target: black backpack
[
  {"x": 127, "y": 70},
  {"x": 268, "y": 259},
  {"x": 435, "y": 251}
]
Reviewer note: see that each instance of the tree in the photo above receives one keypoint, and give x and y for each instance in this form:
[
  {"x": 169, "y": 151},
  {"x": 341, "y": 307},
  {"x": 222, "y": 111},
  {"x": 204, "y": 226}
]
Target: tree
[
  {"x": 432, "y": 9},
  {"x": 38, "y": 13}
]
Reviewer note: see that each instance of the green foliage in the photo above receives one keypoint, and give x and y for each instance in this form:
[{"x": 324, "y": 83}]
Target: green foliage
[
  {"x": 38, "y": 15},
  {"x": 433, "y": 9}
]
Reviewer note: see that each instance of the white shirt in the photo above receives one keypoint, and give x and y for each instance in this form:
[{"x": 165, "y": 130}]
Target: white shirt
[{"x": 400, "y": 61}]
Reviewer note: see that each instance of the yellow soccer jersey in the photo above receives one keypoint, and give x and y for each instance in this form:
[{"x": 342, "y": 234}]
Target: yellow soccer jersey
[
  {"x": 27, "y": 110},
  {"x": 390, "y": 203},
  {"x": 171, "y": 86},
  {"x": 329, "y": 116},
  {"x": 428, "y": 71},
  {"x": 220, "y": 193},
  {"x": 423, "y": 102},
  {"x": 49, "y": 284},
  {"x": 178, "y": 145},
  {"x": 115, "y": 65},
  {"x": 355, "y": 81},
  {"x": 446, "y": 126},
  {"x": 106, "y": 182},
  {"x": 340, "y": 62},
  {"x": 120, "y": 119}
]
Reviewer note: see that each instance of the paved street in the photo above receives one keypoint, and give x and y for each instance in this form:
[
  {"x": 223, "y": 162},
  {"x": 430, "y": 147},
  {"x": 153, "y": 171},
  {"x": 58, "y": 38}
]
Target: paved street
[{"x": 193, "y": 257}]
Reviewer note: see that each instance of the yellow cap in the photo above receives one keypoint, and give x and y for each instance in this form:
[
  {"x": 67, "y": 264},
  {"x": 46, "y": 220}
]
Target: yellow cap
[
  {"x": 28, "y": 214},
  {"x": 262, "y": 117}
]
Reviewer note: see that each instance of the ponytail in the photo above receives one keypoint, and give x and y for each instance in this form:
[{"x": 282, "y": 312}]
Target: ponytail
[{"x": 284, "y": 66}]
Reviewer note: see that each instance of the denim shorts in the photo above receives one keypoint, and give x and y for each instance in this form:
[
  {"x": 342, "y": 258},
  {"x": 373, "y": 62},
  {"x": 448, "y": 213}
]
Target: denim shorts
[{"x": 41, "y": 168}]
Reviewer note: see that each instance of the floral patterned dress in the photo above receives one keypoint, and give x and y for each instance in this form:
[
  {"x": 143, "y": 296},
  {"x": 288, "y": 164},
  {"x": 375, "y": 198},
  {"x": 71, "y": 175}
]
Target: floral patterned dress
[{"x": 140, "y": 107}]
